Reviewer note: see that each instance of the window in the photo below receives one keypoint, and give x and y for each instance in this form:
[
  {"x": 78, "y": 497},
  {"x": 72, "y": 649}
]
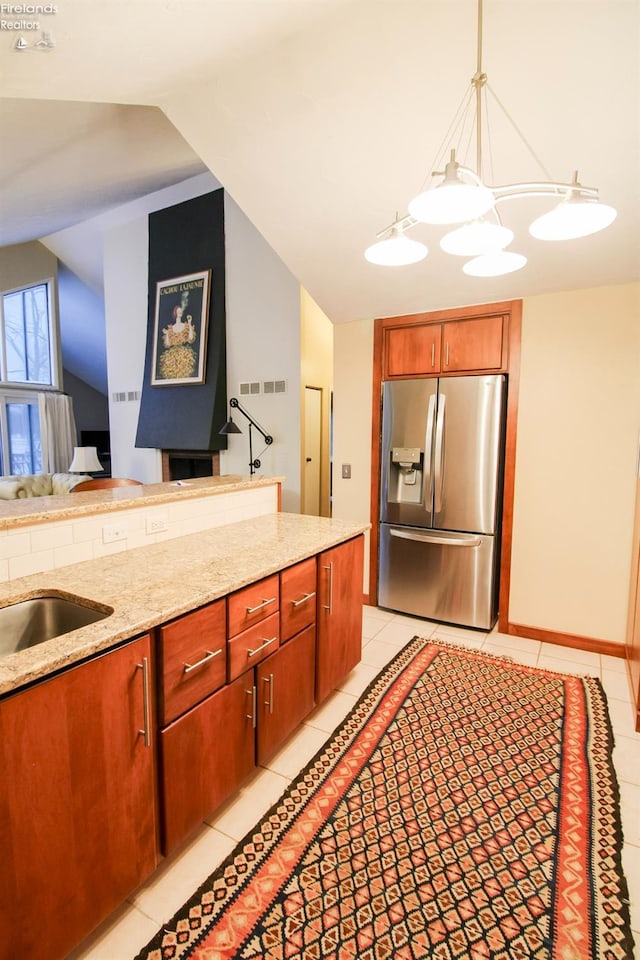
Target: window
[
  {"x": 26, "y": 337},
  {"x": 28, "y": 365}
]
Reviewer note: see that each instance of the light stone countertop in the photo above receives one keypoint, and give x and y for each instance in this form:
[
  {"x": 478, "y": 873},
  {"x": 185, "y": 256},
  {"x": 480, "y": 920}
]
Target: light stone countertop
[
  {"x": 153, "y": 584},
  {"x": 30, "y": 510}
]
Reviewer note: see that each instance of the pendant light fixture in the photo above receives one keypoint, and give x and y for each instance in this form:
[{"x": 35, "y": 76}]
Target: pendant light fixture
[{"x": 461, "y": 197}]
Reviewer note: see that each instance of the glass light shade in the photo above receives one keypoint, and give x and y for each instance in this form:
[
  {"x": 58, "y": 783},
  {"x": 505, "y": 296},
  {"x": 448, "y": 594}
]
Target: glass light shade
[
  {"x": 474, "y": 239},
  {"x": 573, "y": 218},
  {"x": 452, "y": 202},
  {"x": 85, "y": 460},
  {"x": 396, "y": 251},
  {"x": 494, "y": 264}
]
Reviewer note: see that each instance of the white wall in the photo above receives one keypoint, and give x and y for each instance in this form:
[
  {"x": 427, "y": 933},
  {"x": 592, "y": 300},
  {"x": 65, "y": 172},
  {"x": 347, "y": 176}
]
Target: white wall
[
  {"x": 352, "y": 399},
  {"x": 577, "y": 448},
  {"x": 578, "y": 432},
  {"x": 263, "y": 343},
  {"x": 126, "y": 265}
]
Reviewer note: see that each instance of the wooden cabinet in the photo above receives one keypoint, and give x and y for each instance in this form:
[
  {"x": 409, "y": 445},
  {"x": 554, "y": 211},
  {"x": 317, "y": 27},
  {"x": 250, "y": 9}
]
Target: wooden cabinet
[
  {"x": 415, "y": 350},
  {"x": 192, "y": 659},
  {"x": 285, "y": 692},
  {"x": 457, "y": 346},
  {"x": 77, "y": 803},
  {"x": 205, "y": 755},
  {"x": 339, "y": 641},
  {"x": 297, "y": 598},
  {"x": 472, "y": 345}
]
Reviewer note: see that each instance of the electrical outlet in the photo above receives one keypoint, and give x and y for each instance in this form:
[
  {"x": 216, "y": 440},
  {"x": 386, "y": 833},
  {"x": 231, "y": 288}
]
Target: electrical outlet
[
  {"x": 114, "y": 531},
  {"x": 157, "y": 524}
]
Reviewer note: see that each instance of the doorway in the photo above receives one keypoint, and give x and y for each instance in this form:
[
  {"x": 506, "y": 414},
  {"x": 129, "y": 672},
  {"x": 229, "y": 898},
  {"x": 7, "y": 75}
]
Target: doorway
[{"x": 312, "y": 455}]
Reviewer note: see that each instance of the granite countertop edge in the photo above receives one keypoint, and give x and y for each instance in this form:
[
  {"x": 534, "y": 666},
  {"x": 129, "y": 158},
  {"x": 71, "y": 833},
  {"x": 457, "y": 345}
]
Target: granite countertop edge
[
  {"x": 34, "y": 510},
  {"x": 154, "y": 584}
]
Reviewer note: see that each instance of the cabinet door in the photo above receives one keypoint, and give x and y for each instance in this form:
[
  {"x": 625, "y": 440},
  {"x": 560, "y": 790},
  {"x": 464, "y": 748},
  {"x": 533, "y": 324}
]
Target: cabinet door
[
  {"x": 205, "y": 756},
  {"x": 297, "y": 598},
  {"x": 285, "y": 685},
  {"x": 77, "y": 804},
  {"x": 192, "y": 659},
  {"x": 339, "y": 614},
  {"x": 472, "y": 345},
  {"x": 413, "y": 350}
]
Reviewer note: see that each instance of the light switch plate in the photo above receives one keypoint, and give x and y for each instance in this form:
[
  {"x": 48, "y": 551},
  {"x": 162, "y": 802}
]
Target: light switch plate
[{"x": 346, "y": 471}]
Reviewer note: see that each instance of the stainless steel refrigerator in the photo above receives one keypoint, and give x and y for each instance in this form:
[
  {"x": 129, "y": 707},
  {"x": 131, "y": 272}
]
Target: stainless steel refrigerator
[{"x": 440, "y": 496}]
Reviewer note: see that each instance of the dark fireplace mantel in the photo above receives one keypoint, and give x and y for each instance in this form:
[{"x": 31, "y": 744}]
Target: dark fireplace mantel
[{"x": 188, "y": 464}]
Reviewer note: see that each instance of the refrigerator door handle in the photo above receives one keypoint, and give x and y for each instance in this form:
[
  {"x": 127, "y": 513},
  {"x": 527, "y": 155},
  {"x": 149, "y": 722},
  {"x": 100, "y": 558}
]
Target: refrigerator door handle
[
  {"x": 439, "y": 455},
  {"x": 442, "y": 541},
  {"x": 428, "y": 447}
]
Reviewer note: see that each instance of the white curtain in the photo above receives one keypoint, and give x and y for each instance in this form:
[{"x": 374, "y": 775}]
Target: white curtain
[{"x": 57, "y": 431}]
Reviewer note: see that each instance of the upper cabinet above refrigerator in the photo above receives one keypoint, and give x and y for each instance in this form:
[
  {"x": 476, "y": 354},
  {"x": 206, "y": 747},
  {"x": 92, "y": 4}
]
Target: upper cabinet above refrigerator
[{"x": 458, "y": 346}]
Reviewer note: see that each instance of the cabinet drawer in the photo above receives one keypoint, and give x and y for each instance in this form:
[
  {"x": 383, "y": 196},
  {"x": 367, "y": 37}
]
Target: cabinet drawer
[
  {"x": 192, "y": 659},
  {"x": 253, "y": 645},
  {"x": 297, "y": 598},
  {"x": 253, "y": 604}
]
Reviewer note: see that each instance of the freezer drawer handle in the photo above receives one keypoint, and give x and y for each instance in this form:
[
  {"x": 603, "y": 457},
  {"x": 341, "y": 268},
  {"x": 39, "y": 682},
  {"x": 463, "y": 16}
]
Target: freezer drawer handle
[{"x": 444, "y": 541}]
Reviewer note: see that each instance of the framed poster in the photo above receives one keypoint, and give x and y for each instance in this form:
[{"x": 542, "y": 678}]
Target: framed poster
[{"x": 180, "y": 330}]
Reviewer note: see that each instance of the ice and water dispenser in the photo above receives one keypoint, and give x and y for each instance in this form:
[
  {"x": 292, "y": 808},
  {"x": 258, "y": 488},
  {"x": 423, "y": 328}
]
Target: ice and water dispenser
[{"x": 405, "y": 475}]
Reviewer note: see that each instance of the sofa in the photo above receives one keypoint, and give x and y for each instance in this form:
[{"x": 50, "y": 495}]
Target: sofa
[{"x": 39, "y": 484}]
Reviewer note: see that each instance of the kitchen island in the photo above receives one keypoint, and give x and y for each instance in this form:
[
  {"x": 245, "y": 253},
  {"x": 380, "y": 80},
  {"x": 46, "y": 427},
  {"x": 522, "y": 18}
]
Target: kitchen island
[{"x": 118, "y": 739}]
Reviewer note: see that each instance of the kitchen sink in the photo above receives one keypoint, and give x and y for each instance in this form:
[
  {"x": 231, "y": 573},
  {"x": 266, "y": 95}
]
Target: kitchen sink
[{"x": 30, "y": 622}]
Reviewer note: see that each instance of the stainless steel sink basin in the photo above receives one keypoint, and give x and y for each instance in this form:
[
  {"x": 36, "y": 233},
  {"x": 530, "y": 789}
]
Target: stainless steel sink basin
[{"x": 33, "y": 621}]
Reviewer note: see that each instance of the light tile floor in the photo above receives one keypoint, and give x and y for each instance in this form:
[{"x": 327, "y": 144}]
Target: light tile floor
[{"x": 384, "y": 633}]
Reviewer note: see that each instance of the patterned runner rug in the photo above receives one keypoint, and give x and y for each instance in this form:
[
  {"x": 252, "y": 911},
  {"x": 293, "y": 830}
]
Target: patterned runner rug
[{"x": 466, "y": 808}]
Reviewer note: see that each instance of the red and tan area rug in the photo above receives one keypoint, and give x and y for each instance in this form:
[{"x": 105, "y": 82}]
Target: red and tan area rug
[{"x": 466, "y": 808}]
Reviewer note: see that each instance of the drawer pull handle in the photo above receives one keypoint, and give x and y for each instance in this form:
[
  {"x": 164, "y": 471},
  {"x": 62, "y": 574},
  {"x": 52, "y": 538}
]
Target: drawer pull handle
[
  {"x": 265, "y": 603},
  {"x": 329, "y": 606},
  {"x": 269, "y": 702},
  {"x": 265, "y": 643},
  {"x": 307, "y": 596},
  {"x": 253, "y": 716},
  {"x": 146, "y": 731},
  {"x": 211, "y": 654}
]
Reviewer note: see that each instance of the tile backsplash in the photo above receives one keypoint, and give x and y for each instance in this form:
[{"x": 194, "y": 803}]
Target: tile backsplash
[{"x": 46, "y": 546}]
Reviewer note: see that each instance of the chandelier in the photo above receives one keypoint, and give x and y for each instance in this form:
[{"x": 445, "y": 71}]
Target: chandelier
[{"x": 461, "y": 197}]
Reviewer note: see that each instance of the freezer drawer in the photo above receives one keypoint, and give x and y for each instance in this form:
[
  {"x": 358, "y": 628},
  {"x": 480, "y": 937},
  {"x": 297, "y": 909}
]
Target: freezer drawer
[{"x": 439, "y": 574}]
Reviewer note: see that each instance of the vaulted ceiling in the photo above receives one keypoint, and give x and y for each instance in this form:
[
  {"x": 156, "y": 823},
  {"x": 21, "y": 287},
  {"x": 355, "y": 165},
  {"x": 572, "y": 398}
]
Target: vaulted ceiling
[{"x": 322, "y": 119}]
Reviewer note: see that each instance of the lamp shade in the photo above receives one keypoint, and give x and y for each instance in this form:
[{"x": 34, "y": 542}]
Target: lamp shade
[
  {"x": 494, "y": 264},
  {"x": 85, "y": 460},
  {"x": 230, "y": 427},
  {"x": 573, "y": 218},
  {"x": 396, "y": 251},
  {"x": 476, "y": 238}
]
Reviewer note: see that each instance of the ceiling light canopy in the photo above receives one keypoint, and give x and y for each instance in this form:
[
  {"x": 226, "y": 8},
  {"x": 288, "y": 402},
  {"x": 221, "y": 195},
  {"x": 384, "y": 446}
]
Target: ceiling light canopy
[{"x": 461, "y": 197}]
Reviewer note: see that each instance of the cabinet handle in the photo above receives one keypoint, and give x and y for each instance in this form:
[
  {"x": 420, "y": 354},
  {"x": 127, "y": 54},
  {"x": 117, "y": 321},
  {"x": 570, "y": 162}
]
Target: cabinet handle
[
  {"x": 188, "y": 667},
  {"x": 265, "y": 643},
  {"x": 329, "y": 606},
  {"x": 146, "y": 731},
  {"x": 269, "y": 702},
  {"x": 446, "y": 354},
  {"x": 265, "y": 603},
  {"x": 253, "y": 716},
  {"x": 307, "y": 596},
  {"x": 433, "y": 354}
]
